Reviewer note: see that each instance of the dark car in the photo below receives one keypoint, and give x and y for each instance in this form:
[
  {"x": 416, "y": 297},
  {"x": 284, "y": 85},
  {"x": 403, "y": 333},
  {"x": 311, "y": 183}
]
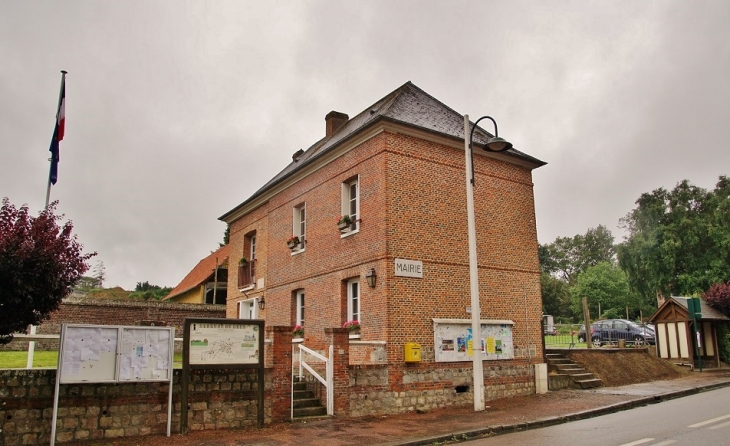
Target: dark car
[{"x": 613, "y": 330}]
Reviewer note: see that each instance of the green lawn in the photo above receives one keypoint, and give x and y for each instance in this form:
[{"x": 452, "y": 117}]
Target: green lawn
[{"x": 18, "y": 360}]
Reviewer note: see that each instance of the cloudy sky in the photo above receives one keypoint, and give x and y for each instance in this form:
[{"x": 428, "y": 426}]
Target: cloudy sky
[{"x": 177, "y": 111}]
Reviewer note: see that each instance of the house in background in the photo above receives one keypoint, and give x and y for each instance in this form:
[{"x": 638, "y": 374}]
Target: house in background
[
  {"x": 369, "y": 224},
  {"x": 207, "y": 283}
]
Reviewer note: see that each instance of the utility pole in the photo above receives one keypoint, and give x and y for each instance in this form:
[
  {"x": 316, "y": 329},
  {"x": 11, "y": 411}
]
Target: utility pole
[{"x": 587, "y": 319}]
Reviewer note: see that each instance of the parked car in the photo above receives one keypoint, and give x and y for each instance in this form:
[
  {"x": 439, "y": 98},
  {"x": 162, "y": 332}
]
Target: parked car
[{"x": 612, "y": 330}]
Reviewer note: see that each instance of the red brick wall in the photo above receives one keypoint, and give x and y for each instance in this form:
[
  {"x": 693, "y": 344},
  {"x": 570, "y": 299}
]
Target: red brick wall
[
  {"x": 413, "y": 206},
  {"x": 116, "y": 312}
]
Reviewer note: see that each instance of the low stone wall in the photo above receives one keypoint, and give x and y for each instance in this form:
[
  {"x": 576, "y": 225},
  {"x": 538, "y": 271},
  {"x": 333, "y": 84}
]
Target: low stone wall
[
  {"x": 221, "y": 399},
  {"x": 218, "y": 399},
  {"x": 431, "y": 386}
]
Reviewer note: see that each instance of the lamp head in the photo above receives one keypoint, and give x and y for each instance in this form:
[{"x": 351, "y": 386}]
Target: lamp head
[
  {"x": 371, "y": 277},
  {"x": 497, "y": 144}
]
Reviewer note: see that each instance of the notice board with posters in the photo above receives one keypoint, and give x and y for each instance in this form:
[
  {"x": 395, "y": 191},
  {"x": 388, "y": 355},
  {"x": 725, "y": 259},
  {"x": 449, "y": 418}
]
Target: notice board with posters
[
  {"x": 454, "y": 342},
  {"x": 112, "y": 353}
]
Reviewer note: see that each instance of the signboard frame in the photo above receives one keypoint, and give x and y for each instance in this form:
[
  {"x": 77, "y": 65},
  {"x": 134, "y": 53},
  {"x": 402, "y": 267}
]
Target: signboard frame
[
  {"x": 221, "y": 354},
  {"x": 82, "y": 345},
  {"x": 453, "y": 340}
]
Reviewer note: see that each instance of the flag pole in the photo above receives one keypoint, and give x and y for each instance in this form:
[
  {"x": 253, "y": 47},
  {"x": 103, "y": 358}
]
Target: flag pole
[
  {"x": 32, "y": 328},
  {"x": 50, "y": 167}
]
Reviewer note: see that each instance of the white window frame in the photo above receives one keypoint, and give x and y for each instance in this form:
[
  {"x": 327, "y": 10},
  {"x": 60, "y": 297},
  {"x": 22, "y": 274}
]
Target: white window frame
[
  {"x": 300, "y": 302},
  {"x": 299, "y": 226},
  {"x": 351, "y": 206},
  {"x": 354, "y": 301},
  {"x": 252, "y": 241},
  {"x": 248, "y": 309}
]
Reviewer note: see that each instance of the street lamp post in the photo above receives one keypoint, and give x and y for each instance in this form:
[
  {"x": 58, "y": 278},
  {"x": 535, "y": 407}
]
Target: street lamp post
[{"x": 495, "y": 144}]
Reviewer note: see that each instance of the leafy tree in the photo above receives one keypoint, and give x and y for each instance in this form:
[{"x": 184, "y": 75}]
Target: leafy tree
[
  {"x": 86, "y": 284},
  {"x": 603, "y": 284},
  {"x": 226, "y": 237},
  {"x": 567, "y": 257},
  {"x": 146, "y": 291},
  {"x": 555, "y": 297},
  {"x": 40, "y": 263},
  {"x": 718, "y": 297},
  {"x": 145, "y": 286},
  {"x": 678, "y": 241},
  {"x": 99, "y": 273}
]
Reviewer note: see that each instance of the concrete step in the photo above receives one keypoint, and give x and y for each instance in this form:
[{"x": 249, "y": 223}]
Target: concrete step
[
  {"x": 571, "y": 366},
  {"x": 300, "y": 386},
  {"x": 306, "y": 402},
  {"x": 589, "y": 383},
  {"x": 303, "y": 394},
  {"x": 579, "y": 376},
  {"x": 557, "y": 361},
  {"x": 310, "y": 411}
]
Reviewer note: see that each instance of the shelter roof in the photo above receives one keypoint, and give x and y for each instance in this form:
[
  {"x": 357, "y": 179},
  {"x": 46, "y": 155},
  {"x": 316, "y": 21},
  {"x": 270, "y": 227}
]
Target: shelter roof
[{"x": 708, "y": 313}]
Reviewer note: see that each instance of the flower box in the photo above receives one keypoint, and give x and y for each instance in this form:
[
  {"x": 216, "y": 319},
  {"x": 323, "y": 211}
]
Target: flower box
[
  {"x": 292, "y": 242},
  {"x": 344, "y": 223},
  {"x": 298, "y": 331}
]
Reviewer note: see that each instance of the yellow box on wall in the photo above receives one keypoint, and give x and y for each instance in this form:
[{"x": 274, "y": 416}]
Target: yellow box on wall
[{"x": 412, "y": 352}]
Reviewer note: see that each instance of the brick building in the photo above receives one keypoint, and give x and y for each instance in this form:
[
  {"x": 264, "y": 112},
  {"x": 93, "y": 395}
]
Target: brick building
[{"x": 397, "y": 171}]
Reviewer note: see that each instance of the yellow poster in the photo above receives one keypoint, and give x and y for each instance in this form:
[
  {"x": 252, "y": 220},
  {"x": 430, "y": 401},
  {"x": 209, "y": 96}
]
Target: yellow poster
[
  {"x": 469, "y": 350},
  {"x": 490, "y": 346}
]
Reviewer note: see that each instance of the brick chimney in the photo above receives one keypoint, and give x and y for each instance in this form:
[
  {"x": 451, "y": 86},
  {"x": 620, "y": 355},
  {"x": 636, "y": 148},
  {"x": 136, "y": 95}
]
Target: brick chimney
[{"x": 334, "y": 121}]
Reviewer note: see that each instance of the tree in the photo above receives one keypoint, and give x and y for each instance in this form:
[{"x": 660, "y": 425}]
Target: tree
[
  {"x": 99, "y": 273},
  {"x": 567, "y": 257},
  {"x": 40, "y": 263},
  {"x": 678, "y": 241},
  {"x": 226, "y": 237},
  {"x": 555, "y": 296},
  {"x": 146, "y": 291},
  {"x": 718, "y": 297},
  {"x": 604, "y": 285}
]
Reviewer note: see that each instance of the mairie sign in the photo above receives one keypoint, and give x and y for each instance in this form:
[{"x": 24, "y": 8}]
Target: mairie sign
[{"x": 408, "y": 268}]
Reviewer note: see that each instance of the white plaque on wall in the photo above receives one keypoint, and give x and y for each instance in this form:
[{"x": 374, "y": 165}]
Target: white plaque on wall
[{"x": 408, "y": 268}]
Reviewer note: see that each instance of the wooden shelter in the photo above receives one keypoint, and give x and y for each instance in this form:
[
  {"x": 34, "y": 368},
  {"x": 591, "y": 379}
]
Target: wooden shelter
[{"x": 675, "y": 335}]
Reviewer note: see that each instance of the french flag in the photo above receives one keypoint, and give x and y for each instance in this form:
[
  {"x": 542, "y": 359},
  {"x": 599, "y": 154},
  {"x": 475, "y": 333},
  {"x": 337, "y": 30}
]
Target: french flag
[{"x": 58, "y": 131}]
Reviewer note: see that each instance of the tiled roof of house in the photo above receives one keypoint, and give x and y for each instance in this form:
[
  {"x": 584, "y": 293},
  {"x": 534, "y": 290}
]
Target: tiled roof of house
[
  {"x": 407, "y": 105},
  {"x": 200, "y": 274}
]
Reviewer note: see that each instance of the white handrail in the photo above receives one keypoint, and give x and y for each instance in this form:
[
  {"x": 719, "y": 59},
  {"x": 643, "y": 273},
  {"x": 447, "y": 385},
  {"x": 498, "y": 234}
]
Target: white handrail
[{"x": 327, "y": 381}]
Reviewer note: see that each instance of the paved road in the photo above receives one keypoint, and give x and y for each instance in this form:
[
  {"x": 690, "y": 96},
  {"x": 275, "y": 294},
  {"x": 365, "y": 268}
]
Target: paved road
[{"x": 702, "y": 419}]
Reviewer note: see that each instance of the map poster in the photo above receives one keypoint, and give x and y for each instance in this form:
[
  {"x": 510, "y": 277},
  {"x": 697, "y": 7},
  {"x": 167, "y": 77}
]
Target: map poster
[{"x": 223, "y": 343}]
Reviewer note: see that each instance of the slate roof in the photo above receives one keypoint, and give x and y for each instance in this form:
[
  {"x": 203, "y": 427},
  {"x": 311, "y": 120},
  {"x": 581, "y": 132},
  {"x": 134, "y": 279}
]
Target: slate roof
[
  {"x": 708, "y": 313},
  {"x": 200, "y": 274},
  {"x": 407, "y": 105}
]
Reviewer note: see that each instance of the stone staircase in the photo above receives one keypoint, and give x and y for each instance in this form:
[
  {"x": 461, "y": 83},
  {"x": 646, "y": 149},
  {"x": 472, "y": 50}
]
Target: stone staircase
[
  {"x": 306, "y": 404},
  {"x": 564, "y": 373}
]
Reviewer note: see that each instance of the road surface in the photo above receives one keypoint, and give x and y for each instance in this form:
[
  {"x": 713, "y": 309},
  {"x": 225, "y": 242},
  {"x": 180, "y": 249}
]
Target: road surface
[{"x": 701, "y": 419}]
